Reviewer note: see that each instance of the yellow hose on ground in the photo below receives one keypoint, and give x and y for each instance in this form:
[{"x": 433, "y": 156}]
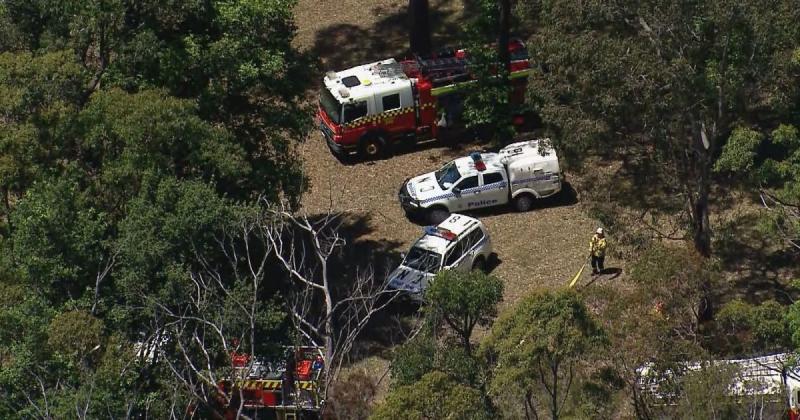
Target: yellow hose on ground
[{"x": 578, "y": 275}]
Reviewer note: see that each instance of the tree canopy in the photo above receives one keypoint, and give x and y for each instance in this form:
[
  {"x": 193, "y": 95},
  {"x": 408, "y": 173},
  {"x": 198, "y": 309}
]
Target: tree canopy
[
  {"x": 464, "y": 300},
  {"x": 137, "y": 136},
  {"x": 665, "y": 80},
  {"x": 537, "y": 346}
]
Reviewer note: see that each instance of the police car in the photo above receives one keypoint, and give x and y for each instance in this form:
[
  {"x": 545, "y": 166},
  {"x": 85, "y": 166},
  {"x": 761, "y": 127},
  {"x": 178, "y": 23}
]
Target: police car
[
  {"x": 458, "y": 243},
  {"x": 518, "y": 174}
]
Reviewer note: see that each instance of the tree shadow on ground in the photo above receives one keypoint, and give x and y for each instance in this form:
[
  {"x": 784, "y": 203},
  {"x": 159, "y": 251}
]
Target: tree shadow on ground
[
  {"x": 346, "y": 45},
  {"x": 761, "y": 266},
  {"x": 607, "y": 275},
  {"x": 362, "y": 256}
]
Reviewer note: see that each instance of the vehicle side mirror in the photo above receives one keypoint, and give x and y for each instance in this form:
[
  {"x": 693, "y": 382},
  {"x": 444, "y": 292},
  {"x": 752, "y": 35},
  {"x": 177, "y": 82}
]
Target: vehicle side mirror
[
  {"x": 447, "y": 185},
  {"x": 403, "y": 256},
  {"x": 456, "y": 190}
]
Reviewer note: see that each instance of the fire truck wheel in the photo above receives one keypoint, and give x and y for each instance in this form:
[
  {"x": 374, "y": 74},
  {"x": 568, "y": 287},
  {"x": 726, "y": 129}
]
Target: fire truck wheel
[
  {"x": 523, "y": 202},
  {"x": 373, "y": 147},
  {"x": 437, "y": 215}
]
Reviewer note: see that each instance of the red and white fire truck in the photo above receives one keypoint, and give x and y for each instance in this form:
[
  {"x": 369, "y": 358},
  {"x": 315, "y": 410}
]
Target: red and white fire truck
[
  {"x": 285, "y": 388},
  {"x": 366, "y": 108}
]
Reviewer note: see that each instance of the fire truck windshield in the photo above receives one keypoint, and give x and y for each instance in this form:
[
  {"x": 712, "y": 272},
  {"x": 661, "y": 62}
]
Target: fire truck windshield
[
  {"x": 331, "y": 106},
  {"x": 448, "y": 173},
  {"x": 422, "y": 260}
]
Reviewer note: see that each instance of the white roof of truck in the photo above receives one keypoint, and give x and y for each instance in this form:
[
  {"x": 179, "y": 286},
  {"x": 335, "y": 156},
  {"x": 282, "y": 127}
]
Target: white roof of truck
[
  {"x": 530, "y": 151},
  {"x": 537, "y": 150},
  {"x": 365, "y": 80}
]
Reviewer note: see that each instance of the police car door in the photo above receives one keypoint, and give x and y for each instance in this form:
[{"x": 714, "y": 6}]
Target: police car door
[
  {"x": 455, "y": 258},
  {"x": 467, "y": 193},
  {"x": 494, "y": 188}
]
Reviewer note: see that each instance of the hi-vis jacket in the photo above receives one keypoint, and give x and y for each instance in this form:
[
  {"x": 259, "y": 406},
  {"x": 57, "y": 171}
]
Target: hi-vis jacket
[{"x": 597, "y": 246}]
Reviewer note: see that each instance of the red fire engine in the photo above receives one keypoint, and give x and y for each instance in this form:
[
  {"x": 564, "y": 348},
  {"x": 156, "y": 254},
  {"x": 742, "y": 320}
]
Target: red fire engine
[
  {"x": 366, "y": 108},
  {"x": 286, "y": 388}
]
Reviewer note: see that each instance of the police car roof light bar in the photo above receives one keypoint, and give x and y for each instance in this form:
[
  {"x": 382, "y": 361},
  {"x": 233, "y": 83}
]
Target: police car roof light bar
[
  {"x": 476, "y": 158},
  {"x": 440, "y": 232}
]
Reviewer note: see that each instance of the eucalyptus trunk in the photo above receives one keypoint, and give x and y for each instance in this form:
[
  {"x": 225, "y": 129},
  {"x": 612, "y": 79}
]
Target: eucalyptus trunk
[{"x": 420, "y": 30}]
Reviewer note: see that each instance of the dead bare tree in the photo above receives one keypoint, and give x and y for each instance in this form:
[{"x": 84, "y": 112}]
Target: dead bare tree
[
  {"x": 225, "y": 304},
  {"x": 220, "y": 316},
  {"x": 306, "y": 248}
]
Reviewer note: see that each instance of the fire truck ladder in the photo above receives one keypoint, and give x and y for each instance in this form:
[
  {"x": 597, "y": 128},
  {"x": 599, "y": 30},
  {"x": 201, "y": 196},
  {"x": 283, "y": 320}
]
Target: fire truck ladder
[{"x": 444, "y": 71}]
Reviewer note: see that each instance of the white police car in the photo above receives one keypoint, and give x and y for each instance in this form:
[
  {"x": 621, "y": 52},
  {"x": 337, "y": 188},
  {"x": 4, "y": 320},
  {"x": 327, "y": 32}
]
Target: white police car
[
  {"x": 458, "y": 243},
  {"x": 518, "y": 174}
]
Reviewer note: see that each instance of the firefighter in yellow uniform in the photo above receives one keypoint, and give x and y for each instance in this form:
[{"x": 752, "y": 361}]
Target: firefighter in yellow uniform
[{"x": 597, "y": 250}]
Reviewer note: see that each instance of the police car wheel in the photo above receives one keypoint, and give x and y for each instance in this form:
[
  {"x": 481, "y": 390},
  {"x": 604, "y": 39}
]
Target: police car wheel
[
  {"x": 437, "y": 215},
  {"x": 523, "y": 202},
  {"x": 373, "y": 147}
]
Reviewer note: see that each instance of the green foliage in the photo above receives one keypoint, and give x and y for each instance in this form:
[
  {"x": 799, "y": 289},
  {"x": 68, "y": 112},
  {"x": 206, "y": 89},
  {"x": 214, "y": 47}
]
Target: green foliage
[
  {"x": 486, "y": 102},
  {"x": 424, "y": 354},
  {"x": 740, "y": 152},
  {"x": 435, "y": 396},
  {"x": 136, "y": 136},
  {"x": 412, "y": 360},
  {"x": 677, "y": 281},
  {"x": 125, "y": 137},
  {"x": 464, "y": 300},
  {"x": 754, "y": 328},
  {"x": 774, "y": 169},
  {"x": 793, "y": 319},
  {"x": 75, "y": 335},
  {"x": 704, "y": 394},
  {"x": 595, "y": 396},
  {"x": 663, "y": 84},
  {"x": 536, "y": 347},
  {"x": 58, "y": 238},
  {"x": 38, "y": 96}
]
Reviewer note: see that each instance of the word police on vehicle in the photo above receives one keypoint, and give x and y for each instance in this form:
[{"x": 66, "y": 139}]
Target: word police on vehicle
[
  {"x": 518, "y": 174},
  {"x": 459, "y": 243}
]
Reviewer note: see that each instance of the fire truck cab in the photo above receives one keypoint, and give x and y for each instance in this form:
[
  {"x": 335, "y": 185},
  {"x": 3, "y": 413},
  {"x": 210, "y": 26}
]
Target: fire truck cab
[
  {"x": 373, "y": 103},
  {"x": 366, "y": 108}
]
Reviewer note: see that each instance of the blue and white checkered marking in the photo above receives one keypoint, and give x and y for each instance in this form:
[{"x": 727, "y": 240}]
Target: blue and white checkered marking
[{"x": 497, "y": 185}]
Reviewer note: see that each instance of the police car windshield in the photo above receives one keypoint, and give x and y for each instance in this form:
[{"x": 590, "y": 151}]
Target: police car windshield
[
  {"x": 331, "y": 106},
  {"x": 448, "y": 173},
  {"x": 422, "y": 260}
]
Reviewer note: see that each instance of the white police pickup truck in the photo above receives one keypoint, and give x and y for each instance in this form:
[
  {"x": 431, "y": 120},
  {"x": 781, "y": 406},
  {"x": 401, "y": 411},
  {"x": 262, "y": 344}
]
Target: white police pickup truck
[
  {"x": 458, "y": 243},
  {"x": 519, "y": 174}
]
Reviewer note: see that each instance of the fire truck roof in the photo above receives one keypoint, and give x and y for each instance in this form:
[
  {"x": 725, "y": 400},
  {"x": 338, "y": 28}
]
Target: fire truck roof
[{"x": 365, "y": 80}]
